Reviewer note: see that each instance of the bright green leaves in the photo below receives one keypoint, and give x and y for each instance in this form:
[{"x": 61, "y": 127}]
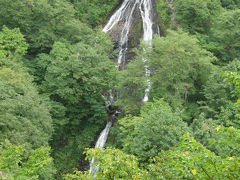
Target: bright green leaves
[
  {"x": 12, "y": 42},
  {"x": 39, "y": 163},
  {"x": 189, "y": 159},
  {"x": 18, "y": 163},
  {"x": 10, "y": 157},
  {"x": 112, "y": 164}
]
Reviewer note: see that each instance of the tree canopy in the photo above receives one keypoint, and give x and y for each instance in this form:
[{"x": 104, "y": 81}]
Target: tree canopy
[
  {"x": 196, "y": 16},
  {"x": 157, "y": 128}
]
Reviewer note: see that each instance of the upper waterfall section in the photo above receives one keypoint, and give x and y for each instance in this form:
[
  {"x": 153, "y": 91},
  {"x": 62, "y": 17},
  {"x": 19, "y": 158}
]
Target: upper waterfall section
[{"x": 127, "y": 25}]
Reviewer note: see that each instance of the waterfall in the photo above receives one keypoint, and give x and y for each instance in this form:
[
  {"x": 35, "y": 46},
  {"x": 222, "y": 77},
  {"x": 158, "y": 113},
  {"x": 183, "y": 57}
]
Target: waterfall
[
  {"x": 100, "y": 144},
  {"x": 158, "y": 30},
  {"x": 146, "y": 13},
  {"x": 123, "y": 14},
  {"x": 123, "y": 18}
]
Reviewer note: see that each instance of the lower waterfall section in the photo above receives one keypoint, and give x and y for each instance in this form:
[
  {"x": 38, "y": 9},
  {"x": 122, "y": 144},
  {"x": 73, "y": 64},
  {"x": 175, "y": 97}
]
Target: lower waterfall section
[{"x": 100, "y": 144}]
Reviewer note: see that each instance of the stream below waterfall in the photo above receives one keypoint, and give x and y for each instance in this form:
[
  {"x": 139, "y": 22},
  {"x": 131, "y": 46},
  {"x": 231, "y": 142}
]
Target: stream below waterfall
[{"x": 122, "y": 19}]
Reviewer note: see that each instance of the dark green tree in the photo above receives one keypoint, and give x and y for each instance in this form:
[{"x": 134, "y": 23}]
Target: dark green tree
[
  {"x": 179, "y": 68},
  {"x": 94, "y": 12},
  {"x": 220, "y": 97},
  {"x": 230, "y": 4},
  {"x": 77, "y": 78},
  {"x": 196, "y": 16},
  {"x": 131, "y": 86},
  {"x": 157, "y": 128},
  {"x": 225, "y": 36},
  {"x": 42, "y": 22},
  {"x": 24, "y": 114}
]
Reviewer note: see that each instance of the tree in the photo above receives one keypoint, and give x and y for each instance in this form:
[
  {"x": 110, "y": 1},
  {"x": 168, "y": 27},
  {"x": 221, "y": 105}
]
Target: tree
[
  {"x": 83, "y": 76},
  {"x": 16, "y": 162},
  {"x": 179, "y": 68},
  {"x": 12, "y": 42},
  {"x": 42, "y": 22},
  {"x": 157, "y": 128},
  {"x": 220, "y": 97},
  {"x": 111, "y": 164},
  {"x": 24, "y": 115},
  {"x": 77, "y": 78},
  {"x": 95, "y": 12},
  {"x": 230, "y": 4},
  {"x": 131, "y": 86},
  {"x": 225, "y": 36},
  {"x": 191, "y": 160},
  {"x": 225, "y": 141},
  {"x": 196, "y": 16},
  {"x": 203, "y": 129}
]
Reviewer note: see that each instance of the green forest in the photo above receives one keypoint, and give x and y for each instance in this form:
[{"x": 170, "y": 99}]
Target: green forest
[{"x": 57, "y": 67}]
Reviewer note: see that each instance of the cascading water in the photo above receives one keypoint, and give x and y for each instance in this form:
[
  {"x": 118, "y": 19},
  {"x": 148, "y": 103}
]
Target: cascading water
[
  {"x": 146, "y": 13},
  {"x": 100, "y": 144},
  {"x": 123, "y": 14},
  {"x": 124, "y": 17}
]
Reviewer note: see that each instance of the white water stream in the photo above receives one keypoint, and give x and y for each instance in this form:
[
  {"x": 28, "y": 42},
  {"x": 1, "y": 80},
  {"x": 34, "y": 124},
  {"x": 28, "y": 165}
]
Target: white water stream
[
  {"x": 100, "y": 144},
  {"x": 146, "y": 13},
  {"x": 125, "y": 15}
]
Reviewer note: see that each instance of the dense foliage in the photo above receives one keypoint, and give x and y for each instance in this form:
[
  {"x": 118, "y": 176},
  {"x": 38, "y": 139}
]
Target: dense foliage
[
  {"x": 112, "y": 164},
  {"x": 25, "y": 117},
  {"x": 196, "y": 16},
  {"x": 190, "y": 160},
  {"x": 225, "y": 35},
  {"x": 94, "y": 12},
  {"x": 157, "y": 128},
  {"x": 17, "y": 163},
  {"x": 57, "y": 75},
  {"x": 178, "y": 67}
]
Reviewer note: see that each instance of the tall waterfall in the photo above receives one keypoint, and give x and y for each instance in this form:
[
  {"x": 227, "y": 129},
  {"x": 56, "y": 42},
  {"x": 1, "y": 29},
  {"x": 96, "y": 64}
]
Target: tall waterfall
[{"x": 124, "y": 17}]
